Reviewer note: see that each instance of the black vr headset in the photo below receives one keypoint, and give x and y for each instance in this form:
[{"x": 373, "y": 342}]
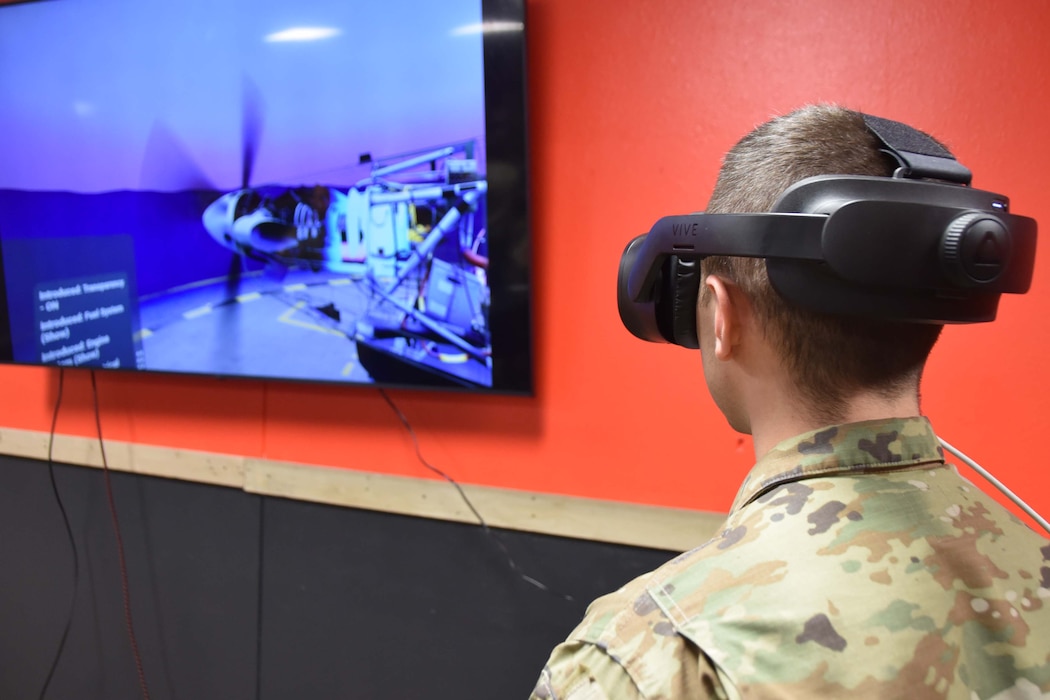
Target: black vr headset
[{"x": 921, "y": 246}]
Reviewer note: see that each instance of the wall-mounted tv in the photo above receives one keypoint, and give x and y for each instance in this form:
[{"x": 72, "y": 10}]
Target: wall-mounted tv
[{"x": 318, "y": 190}]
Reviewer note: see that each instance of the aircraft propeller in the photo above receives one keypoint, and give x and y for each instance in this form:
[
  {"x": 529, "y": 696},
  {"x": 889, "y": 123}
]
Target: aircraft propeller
[{"x": 252, "y": 111}]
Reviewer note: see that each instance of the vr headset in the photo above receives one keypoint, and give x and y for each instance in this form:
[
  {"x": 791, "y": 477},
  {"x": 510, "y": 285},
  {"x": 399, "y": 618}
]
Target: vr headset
[{"x": 920, "y": 246}]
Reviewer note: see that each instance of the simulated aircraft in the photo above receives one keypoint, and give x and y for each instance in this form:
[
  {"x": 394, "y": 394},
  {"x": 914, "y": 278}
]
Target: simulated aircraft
[{"x": 413, "y": 231}]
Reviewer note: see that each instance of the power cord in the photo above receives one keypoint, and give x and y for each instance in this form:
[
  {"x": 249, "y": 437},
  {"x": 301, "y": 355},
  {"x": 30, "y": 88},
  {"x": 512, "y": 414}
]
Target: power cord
[
  {"x": 999, "y": 485},
  {"x": 481, "y": 521},
  {"x": 125, "y": 591},
  {"x": 69, "y": 534}
]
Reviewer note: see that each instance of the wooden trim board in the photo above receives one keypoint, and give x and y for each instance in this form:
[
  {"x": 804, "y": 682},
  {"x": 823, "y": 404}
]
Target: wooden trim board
[{"x": 568, "y": 516}]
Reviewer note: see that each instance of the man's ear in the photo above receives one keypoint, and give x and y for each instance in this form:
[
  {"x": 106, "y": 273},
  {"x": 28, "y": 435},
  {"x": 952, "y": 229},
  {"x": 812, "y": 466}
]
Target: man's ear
[{"x": 726, "y": 315}]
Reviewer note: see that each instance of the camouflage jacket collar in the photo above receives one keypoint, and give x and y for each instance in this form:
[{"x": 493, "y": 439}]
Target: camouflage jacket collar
[{"x": 852, "y": 448}]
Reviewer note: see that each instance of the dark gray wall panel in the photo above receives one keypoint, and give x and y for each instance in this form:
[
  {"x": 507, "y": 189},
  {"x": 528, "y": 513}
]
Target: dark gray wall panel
[
  {"x": 360, "y": 604},
  {"x": 348, "y": 603},
  {"x": 192, "y": 556}
]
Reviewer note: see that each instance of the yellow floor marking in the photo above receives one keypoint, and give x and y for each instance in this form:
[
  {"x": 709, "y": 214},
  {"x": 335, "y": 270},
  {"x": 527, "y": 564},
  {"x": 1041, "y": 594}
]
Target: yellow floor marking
[
  {"x": 251, "y": 296},
  {"x": 286, "y": 317},
  {"x": 199, "y": 311}
]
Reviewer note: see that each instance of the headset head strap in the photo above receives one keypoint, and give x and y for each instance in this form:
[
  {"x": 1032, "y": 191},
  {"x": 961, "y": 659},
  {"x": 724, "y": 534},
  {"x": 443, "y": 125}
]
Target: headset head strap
[{"x": 919, "y": 155}]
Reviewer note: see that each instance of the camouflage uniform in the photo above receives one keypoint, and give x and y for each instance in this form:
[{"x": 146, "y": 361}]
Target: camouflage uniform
[{"x": 854, "y": 563}]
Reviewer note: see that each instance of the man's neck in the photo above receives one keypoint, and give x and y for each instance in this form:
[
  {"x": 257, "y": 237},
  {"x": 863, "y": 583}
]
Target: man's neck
[{"x": 775, "y": 421}]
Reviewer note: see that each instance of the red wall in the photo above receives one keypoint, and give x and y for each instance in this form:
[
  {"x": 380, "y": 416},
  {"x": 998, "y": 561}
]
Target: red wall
[{"x": 632, "y": 105}]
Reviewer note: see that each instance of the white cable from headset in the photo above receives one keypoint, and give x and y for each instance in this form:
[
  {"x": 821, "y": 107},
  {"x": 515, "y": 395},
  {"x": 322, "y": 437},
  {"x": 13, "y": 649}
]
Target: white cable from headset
[{"x": 999, "y": 485}]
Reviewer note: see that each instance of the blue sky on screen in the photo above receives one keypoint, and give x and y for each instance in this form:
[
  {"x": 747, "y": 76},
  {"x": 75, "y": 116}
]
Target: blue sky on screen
[{"x": 135, "y": 94}]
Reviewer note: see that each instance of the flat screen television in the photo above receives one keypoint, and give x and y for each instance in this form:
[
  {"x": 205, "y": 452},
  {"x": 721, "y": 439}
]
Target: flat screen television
[{"x": 318, "y": 190}]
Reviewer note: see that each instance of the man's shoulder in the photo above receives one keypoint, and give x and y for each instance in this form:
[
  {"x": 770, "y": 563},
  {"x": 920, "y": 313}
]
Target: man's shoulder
[
  {"x": 629, "y": 629},
  {"x": 751, "y": 570},
  {"x": 629, "y": 619},
  {"x": 853, "y": 583},
  {"x": 866, "y": 581}
]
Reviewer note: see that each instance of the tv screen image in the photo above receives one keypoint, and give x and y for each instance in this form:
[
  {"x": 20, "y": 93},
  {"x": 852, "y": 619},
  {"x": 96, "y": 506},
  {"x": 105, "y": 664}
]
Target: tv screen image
[{"x": 267, "y": 189}]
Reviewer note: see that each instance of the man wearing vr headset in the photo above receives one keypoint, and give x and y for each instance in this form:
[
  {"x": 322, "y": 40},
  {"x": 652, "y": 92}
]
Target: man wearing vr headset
[{"x": 854, "y": 560}]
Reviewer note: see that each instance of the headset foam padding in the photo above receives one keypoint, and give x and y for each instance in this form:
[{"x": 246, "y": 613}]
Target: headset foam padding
[{"x": 684, "y": 282}]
